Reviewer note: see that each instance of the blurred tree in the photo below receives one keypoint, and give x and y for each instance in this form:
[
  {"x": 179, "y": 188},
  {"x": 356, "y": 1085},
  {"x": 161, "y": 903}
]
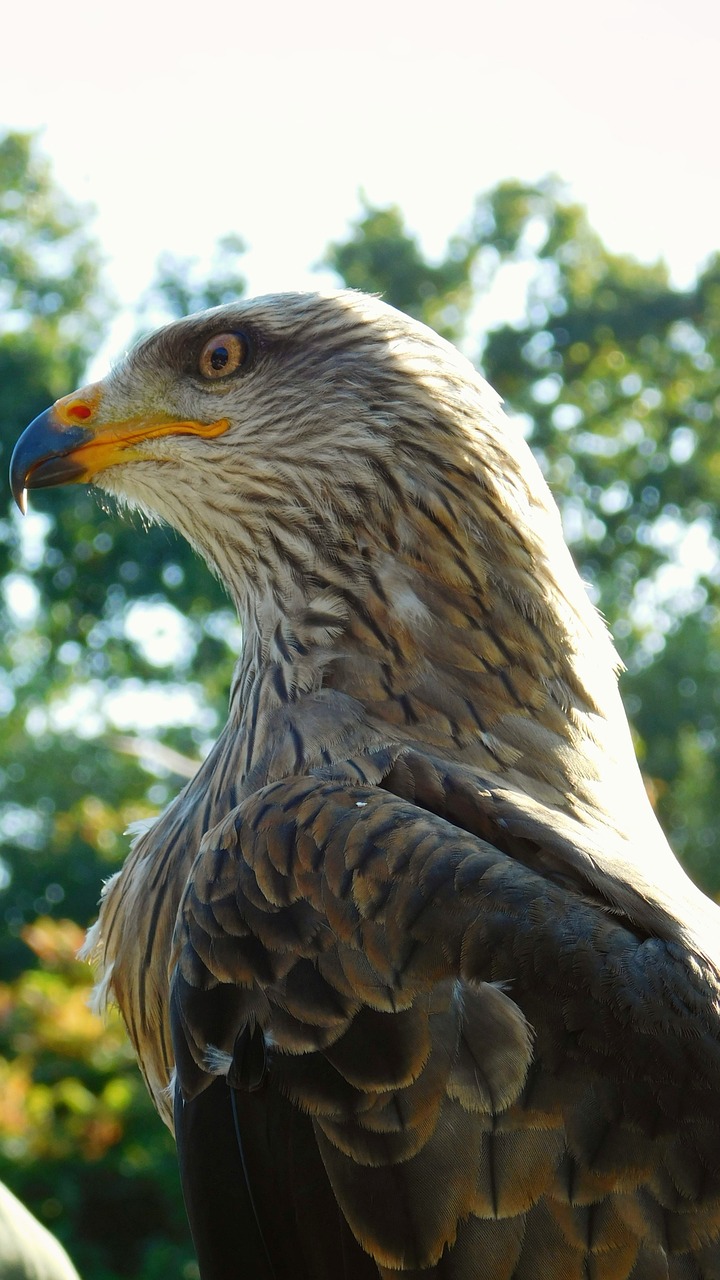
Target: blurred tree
[
  {"x": 51, "y": 313},
  {"x": 185, "y": 285},
  {"x": 381, "y": 256},
  {"x": 78, "y": 1138},
  {"x": 92, "y": 617},
  {"x": 51, "y": 309},
  {"x": 117, "y": 650},
  {"x": 616, "y": 377}
]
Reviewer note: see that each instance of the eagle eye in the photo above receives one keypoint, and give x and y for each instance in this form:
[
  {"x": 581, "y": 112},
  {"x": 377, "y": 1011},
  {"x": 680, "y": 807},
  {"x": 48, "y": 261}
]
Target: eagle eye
[{"x": 223, "y": 355}]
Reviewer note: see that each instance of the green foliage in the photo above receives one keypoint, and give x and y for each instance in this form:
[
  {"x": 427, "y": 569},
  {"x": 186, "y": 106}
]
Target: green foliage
[
  {"x": 50, "y": 308},
  {"x": 79, "y": 1139},
  {"x": 382, "y": 257},
  {"x": 182, "y": 286},
  {"x": 614, "y": 374},
  {"x": 78, "y": 583},
  {"x": 616, "y": 377}
]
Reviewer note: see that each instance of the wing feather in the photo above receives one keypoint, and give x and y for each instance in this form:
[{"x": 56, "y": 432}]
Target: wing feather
[{"x": 490, "y": 1059}]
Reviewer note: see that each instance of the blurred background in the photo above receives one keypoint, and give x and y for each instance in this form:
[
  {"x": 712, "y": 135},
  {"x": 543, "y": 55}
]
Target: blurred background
[{"x": 539, "y": 183}]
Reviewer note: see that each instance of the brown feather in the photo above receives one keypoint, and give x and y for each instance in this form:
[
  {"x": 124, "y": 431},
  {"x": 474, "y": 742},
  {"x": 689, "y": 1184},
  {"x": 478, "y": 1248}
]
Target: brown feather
[{"x": 416, "y": 897}]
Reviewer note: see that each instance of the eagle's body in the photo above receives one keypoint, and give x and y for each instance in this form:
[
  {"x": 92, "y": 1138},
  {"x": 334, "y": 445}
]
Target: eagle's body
[{"x": 440, "y": 999}]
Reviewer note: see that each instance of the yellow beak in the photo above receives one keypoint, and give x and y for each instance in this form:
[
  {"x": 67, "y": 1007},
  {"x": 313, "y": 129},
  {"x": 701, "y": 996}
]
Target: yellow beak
[{"x": 69, "y": 443}]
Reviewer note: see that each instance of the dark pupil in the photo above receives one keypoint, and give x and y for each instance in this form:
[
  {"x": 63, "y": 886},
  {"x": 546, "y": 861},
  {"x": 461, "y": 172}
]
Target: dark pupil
[{"x": 219, "y": 357}]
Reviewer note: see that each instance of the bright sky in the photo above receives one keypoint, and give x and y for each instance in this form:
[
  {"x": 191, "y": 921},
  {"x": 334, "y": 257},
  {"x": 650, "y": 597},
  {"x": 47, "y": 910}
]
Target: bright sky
[{"x": 183, "y": 122}]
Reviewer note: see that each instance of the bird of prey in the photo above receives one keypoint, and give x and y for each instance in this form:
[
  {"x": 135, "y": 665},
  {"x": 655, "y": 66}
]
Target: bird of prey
[{"x": 408, "y": 965}]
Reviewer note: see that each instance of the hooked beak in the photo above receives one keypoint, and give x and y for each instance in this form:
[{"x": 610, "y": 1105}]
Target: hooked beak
[
  {"x": 57, "y": 449},
  {"x": 44, "y": 456}
]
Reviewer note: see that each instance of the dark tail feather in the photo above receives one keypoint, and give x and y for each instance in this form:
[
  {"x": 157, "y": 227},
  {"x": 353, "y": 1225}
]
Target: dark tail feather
[
  {"x": 256, "y": 1192},
  {"x": 226, "y": 1233}
]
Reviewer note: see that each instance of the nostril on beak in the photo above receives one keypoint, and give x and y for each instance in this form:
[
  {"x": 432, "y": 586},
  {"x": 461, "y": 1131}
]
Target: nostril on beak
[{"x": 78, "y": 411}]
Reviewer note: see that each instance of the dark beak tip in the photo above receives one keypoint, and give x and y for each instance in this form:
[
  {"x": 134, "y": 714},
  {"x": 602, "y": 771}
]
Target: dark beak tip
[{"x": 41, "y": 458}]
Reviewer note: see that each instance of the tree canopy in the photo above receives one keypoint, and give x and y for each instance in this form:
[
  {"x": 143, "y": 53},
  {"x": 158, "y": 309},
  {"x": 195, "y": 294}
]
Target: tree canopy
[
  {"x": 615, "y": 374},
  {"x": 118, "y": 645}
]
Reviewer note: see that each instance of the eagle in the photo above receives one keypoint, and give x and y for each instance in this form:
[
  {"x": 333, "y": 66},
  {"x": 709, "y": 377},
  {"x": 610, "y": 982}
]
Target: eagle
[{"x": 409, "y": 966}]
